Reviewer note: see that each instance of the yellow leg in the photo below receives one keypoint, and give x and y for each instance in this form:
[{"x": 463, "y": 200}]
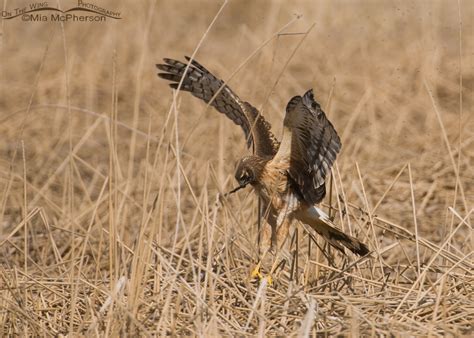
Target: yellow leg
[
  {"x": 281, "y": 236},
  {"x": 267, "y": 234},
  {"x": 256, "y": 273}
]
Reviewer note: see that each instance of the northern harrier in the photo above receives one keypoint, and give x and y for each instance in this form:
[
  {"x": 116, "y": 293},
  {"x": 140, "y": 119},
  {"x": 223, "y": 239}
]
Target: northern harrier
[{"x": 288, "y": 176}]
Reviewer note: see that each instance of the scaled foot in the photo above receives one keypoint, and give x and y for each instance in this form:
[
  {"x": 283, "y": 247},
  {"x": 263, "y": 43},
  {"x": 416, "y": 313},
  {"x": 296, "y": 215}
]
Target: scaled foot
[{"x": 257, "y": 274}]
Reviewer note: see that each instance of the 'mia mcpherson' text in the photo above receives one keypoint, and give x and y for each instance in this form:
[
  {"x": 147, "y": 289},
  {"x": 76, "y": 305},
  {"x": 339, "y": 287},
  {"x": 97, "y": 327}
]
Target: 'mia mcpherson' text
[{"x": 56, "y": 17}]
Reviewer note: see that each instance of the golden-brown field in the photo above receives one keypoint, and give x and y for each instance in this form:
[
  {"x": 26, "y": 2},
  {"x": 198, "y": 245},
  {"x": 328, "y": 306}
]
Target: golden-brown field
[{"x": 108, "y": 217}]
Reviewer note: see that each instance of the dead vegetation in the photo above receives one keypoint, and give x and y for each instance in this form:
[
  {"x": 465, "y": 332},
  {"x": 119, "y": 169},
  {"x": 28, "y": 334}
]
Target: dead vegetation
[{"x": 109, "y": 223}]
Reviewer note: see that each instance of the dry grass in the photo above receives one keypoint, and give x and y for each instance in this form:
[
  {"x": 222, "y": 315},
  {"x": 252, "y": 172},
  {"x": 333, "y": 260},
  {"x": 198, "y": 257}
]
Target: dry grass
[{"x": 108, "y": 220}]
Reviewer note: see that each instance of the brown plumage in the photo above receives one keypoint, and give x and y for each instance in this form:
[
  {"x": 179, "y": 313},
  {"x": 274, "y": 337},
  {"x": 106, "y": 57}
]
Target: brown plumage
[
  {"x": 289, "y": 177},
  {"x": 202, "y": 84}
]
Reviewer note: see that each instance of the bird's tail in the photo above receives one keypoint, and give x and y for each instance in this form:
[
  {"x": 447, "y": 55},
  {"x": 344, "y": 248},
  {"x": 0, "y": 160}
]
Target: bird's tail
[{"x": 321, "y": 223}]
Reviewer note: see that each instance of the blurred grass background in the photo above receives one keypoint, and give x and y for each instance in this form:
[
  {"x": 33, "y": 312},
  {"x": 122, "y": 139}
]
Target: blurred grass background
[{"x": 108, "y": 223}]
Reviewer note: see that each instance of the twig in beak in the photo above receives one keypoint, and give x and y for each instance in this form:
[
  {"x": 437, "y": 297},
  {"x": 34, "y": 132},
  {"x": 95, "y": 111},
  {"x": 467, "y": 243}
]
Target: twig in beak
[{"x": 220, "y": 196}]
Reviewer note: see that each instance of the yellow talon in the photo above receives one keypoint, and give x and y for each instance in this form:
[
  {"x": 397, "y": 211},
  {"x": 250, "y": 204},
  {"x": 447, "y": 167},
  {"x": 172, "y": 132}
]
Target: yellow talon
[
  {"x": 256, "y": 272},
  {"x": 258, "y": 275},
  {"x": 269, "y": 280}
]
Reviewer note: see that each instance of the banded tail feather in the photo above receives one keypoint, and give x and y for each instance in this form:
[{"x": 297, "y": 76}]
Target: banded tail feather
[{"x": 319, "y": 222}]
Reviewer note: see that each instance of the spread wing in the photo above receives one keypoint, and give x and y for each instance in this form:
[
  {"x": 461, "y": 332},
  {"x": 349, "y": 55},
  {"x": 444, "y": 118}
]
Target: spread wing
[
  {"x": 310, "y": 144},
  {"x": 202, "y": 84}
]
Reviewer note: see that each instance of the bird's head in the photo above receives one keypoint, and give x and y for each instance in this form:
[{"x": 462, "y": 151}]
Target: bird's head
[{"x": 245, "y": 172}]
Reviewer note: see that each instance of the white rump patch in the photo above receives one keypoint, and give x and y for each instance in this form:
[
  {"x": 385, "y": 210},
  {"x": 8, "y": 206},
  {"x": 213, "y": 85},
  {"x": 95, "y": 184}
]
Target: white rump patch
[{"x": 315, "y": 212}]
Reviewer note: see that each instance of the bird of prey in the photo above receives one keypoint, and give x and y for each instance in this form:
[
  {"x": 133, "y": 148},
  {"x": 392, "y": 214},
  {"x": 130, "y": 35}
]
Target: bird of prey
[{"x": 289, "y": 176}]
